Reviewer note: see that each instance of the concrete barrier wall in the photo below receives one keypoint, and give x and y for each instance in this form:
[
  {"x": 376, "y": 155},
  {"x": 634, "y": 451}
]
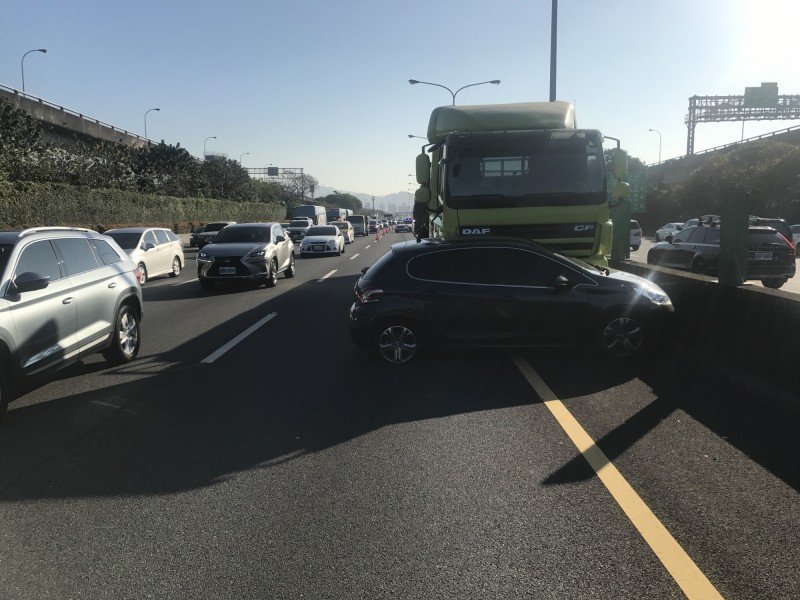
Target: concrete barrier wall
[
  {"x": 69, "y": 124},
  {"x": 749, "y": 332}
]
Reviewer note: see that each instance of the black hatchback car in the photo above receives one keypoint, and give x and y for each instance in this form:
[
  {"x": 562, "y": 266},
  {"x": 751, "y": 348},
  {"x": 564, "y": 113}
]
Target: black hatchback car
[
  {"x": 770, "y": 256},
  {"x": 500, "y": 292}
]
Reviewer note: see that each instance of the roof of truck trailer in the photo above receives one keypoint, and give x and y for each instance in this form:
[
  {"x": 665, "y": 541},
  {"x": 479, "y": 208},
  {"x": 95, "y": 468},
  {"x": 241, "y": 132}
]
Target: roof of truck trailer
[{"x": 499, "y": 117}]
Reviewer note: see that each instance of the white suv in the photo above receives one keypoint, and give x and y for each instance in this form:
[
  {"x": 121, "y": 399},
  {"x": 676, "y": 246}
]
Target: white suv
[
  {"x": 636, "y": 235},
  {"x": 65, "y": 293}
]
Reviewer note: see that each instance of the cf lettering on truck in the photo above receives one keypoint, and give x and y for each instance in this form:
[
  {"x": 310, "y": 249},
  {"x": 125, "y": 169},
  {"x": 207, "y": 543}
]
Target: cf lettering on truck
[{"x": 522, "y": 170}]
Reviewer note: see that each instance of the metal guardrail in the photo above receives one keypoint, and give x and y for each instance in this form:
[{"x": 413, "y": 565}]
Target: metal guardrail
[
  {"x": 717, "y": 148},
  {"x": 43, "y": 102}
]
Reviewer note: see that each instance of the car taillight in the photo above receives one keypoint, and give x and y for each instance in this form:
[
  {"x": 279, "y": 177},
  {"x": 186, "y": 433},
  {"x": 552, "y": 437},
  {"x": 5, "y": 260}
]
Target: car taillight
[
  {"x": 364, "y": 296},
  {"x": 138, "y": 274}
]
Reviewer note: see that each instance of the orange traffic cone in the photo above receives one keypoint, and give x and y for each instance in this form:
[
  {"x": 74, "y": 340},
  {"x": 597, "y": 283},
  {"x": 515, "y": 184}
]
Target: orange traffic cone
[{"x": 377, "y": 235}]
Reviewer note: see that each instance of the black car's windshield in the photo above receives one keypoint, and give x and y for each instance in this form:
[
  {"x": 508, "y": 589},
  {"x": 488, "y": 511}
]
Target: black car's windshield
[
  {"x": 237, "y": 235},
  {"x": 298, "y": 224},
  {"x": 321, "y": 230},
  {"x": 215, "y": 226},
  {"x": 126, "y": 240}
]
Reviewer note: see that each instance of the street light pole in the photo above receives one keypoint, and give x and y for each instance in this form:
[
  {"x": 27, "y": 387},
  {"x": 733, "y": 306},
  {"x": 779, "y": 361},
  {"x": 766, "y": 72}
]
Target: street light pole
[
  {"x": 211, "y": 137},
  {"x": 22, "y": 64},
  {"x": 659, "y": 142},
  {"x": 241, "y": 155},
  {"x": 145, "y": 120},
  {"x": 452, "y": 93}
]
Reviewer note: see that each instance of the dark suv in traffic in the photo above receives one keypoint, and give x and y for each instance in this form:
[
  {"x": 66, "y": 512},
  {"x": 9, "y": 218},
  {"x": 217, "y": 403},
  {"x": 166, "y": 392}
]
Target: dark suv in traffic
[
  {"x": 500, "y": 292},
  {"x": 770, "y": 256}
]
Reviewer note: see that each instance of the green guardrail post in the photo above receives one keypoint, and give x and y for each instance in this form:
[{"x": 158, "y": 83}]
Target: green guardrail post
[{"x": 733, "y": 239}]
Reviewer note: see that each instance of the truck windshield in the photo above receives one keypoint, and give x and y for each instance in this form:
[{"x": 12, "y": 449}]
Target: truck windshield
[{"x": 524, "y": 169}]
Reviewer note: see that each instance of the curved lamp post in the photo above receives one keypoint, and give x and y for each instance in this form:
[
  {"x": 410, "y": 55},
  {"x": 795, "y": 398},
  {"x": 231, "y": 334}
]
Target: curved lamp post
[
  {"x": 659, "y": 142},
  {"x": 241, "y": 155},
  {"x": 452, "y": 93},
  {"x": 22, "y": 64},
  {"x": 145, "y": 120},
  {"x": 211, "y": 137},
  {"x": 418, "y": 137}
]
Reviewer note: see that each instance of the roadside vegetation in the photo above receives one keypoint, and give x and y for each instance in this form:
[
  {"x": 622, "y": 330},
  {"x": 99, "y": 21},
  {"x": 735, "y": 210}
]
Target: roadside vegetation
[
  {"x": 767, "y": 171},
  {"x": 103, "y": 185}
]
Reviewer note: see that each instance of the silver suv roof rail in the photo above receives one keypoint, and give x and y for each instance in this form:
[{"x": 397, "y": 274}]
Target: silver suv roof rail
[{"x": 33, "y": 230}]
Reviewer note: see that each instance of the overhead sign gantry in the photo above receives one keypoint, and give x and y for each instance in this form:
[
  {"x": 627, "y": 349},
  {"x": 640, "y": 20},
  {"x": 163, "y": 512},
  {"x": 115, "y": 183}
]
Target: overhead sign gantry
[{"x": 761, "y": 103}]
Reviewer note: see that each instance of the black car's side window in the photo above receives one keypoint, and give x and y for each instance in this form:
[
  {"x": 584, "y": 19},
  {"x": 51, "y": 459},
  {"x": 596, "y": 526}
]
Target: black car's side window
[
  {"x": 698, "y": 235},
  {"x": 39, "y": 257},
  {"x": 712, "y": 236},
  {"x": 486, "y": 266},
  {"x": 78, "y": 257}
]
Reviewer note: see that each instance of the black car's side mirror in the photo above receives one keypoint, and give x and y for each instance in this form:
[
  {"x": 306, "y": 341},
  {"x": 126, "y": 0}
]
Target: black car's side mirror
[{"x": 562, "y": 283}]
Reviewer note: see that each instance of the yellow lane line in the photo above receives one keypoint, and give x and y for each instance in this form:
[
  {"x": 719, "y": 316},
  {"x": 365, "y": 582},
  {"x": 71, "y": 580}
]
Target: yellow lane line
[{"x": 683, "y": 570}]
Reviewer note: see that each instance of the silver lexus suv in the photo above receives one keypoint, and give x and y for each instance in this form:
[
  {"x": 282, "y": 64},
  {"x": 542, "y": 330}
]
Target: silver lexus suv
[{"x": 65, "y": 293}]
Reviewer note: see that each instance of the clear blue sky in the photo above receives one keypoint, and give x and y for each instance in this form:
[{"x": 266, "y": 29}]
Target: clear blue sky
[{"x": 323, "y": 85}]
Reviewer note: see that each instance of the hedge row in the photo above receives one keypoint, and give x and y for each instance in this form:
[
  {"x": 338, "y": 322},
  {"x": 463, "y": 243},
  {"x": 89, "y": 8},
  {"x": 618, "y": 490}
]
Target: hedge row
[{"x": 26, "y": 204}]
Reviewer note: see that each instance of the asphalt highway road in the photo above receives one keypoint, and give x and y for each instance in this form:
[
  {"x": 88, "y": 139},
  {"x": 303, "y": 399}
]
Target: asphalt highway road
[{"x": 251, "y": 451}]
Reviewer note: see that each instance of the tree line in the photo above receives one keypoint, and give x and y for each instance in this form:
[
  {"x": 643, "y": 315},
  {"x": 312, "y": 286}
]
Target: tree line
[{"x": 767, "y": 172}]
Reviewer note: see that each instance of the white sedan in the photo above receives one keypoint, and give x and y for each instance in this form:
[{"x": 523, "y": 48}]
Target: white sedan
[
  {"x": 322, "y": 239},
  {"x": 665, "y": 230}
]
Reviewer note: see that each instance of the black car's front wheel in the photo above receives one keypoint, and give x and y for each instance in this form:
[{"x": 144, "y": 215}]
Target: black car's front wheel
[
  {"x": 621, "y": 336},
  {"x": 397, "y": 342}
]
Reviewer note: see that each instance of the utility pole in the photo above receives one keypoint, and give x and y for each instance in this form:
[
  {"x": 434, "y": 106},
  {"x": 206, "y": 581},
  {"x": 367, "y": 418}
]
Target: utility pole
[{"x": 373, "y": 205}]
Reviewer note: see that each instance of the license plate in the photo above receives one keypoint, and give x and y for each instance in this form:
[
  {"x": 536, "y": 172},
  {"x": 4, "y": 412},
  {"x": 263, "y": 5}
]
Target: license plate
[
  {"x": 763, "y": 255},
  {"x": 318, "y": 248},
  {"x": 227, "y": 270}
]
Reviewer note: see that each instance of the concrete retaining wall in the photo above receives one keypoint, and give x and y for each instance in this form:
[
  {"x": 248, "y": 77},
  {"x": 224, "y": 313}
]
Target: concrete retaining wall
[{"x": 749, "y": 332}]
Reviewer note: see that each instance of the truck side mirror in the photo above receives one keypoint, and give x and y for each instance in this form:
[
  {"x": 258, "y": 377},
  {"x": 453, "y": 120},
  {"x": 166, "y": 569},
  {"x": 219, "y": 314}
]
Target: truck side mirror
[{"x": 423, "y": 169}]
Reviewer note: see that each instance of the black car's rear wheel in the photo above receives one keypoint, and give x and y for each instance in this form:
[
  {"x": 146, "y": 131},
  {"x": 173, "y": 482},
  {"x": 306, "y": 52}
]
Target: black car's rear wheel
[
  {"x": 621, "y": 336},
  {"x": 397, "y": 342},
  {"x": 773, "y": 283}
]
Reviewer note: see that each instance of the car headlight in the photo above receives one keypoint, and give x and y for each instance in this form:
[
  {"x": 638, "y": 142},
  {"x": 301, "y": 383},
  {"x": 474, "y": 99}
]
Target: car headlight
[
  {"x": 257, "y": 254},
  {"x": 332, "y": 244},
  {"x": 655, "y": 294},
  {"x": 204, "y": 256}
]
